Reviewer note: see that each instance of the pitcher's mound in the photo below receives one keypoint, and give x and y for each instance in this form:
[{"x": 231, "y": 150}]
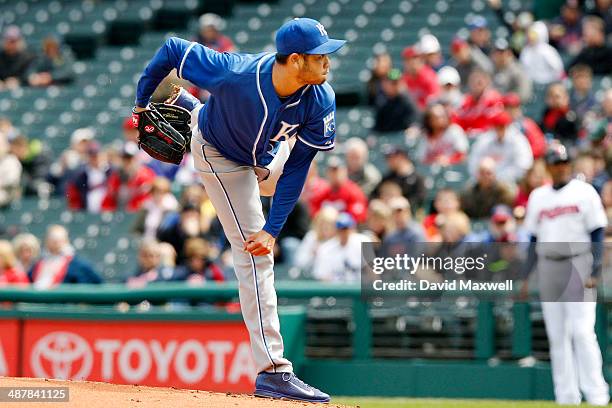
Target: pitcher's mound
[{"x": 88, "y": 394}]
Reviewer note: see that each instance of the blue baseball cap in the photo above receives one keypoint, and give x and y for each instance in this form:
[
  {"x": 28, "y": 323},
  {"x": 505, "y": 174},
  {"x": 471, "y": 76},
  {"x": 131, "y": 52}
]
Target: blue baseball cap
[
  {"x": 345, "y": 221},
  {"x": 305, "y": 36}
]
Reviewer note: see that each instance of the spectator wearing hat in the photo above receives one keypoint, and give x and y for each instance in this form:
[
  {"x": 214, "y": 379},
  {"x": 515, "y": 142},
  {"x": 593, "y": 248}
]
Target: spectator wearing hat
[
  {"x": 444, "y": 143},
  {"x": 596, "y": 53},
  {"x": 55, "y": 66},
  {"x": 70, "y": 160},
  {"x": 339, "y": 259},
  {"x": 465, "y": 61},
  {"x": 136, "y": 179},
  {"x": 539, "y": 59},
  {"x": 403, "y": 174},
  {"x": 432, "y": 52},
  {"x": 14, "y": 59},
  {"x": 381, "y": 66},
  {"x": 10, "y": 270},
  {"x": 210, "y": 35},
  {"x": 360, "y": 170},
  {"x": 479, "y": 198},
  {"x": 95, "y": 186},
  {"x": 35, "y": 159},
  {"x": 582, "y": 98},
  {"x": 559, "y": 121},
  {"x": 450, "y": 89},
  {"x": 395, "y": 111},
  {"x": 341, "y": 193},
  {"x": 407, "y": 232},
  {"x": 507, "y": 146},
  {"x": 59, "y": 263},
  {"x": 526, "y": 125},
  {"x": 480, "y": 104},
  {"x": 419, "y": 78},
  {"x": 480, "y": 35},
  {"x": 508, "y": 74},
  {"x": 565, "y": 30},
  {"x": 11, "y": 170}
]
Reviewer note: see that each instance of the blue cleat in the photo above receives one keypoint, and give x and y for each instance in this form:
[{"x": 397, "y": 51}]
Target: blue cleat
[{"x": 287, "y": 386}]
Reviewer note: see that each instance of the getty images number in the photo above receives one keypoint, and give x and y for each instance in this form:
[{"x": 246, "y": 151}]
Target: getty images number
[{"x": 29, "y": 393}]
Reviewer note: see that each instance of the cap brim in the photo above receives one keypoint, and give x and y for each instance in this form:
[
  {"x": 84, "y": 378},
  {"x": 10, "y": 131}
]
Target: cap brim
[{"x": 329, "y": 47}]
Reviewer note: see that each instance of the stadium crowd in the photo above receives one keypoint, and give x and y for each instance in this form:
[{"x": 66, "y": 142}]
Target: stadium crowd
[{"x": 460, "y": 105}]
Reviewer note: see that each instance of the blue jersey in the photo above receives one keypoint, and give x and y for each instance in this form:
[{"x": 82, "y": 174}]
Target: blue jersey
[{"x": 245, "y": 119}]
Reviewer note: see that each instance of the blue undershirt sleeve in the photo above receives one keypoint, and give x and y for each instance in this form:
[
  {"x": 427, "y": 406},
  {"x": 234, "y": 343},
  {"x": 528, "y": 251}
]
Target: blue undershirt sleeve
[{"x": 597, "y": 239}]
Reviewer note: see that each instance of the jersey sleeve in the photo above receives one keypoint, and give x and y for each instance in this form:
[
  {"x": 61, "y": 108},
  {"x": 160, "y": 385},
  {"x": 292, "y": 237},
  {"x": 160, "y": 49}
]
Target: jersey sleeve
[
  {"x": 531, "y": 215},
  {"x": 320, "y": 131},
  {"x": 194, "y": 62},
  {"x": 595, "y": 215}
]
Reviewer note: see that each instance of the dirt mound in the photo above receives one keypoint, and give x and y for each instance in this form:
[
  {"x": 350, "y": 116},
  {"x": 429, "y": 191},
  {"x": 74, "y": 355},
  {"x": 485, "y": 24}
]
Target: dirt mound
[{"x": 88, "y": 394}]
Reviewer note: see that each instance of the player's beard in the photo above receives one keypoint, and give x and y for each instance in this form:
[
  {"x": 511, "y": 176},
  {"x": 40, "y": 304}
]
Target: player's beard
[{"x": 311, "y": 77}]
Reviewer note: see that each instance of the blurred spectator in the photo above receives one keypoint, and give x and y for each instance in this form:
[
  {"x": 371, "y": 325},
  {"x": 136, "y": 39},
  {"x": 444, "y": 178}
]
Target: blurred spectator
[
  {"x": 454, "y": 227},
  {"x": 517, "y": 24},
  {"x": 603, "y": 10},
  {"x": 167, "y": 254},
  {"x": 526, "y": 125},
  {"x": 54, "y": 67},
  {"x": 387, "y": 190},
  {"x": 342, "y": 194},
  {"x": 210, "y": 33},
  {"x": 380, "y": 222},
  {"x": 584, "y": 167},
  {"x": 509, "y": 75},
  {"x": 596, "y": 53},
  {"x": 565, "y": 30},
  {"x": 479, "y": 198},
  {"x": 35, "y": 159},
  {"x": 445, "y": 203},
  {"x": 466, "y": 61},
  {"x": 535, "y": 177},
  {"x": 150, "y": 268},
  {"x": 502, "y": 226},
  {"x": 186, "y": 226},
  {"x": 419, "y": 78},
  {"x": 71, "y": 159},
  {"x": 95, "y": 186},
  {"x": 450, "y": 89},
  {"x": 600, "y": 175},
  {"x": 429, "y": 46},
  {"x": 339, "y": 259},
  {"x": 506, "y": 145},
  {"x": 323, "y": 228},
  {"x": 11, "y": 272},
  {"x": 14, "y": 59},
  {"x": 360, "y": 170},
  {"x": 59, "y": 263},
  {"x": 395, "y": 112},
  {"x": 541, "y": 61},
  {"x": 582, "y": 98},
  {"x": 558, "y": 120},
  {"x": 402, "y": 173},
  {"x": 444, "y": 143},
  {"x": 136, "y": 179},
  {"x": 10, "y": 168},
  {"x": 407, "y": 232},
  {"x": 27, "y": 250},
  {"x": 198, "y": 266},
  {"x": 382, "y": 64},
  {"x": 160, "y": 203},
  {"x": 293, "y": 231},
  {"x": 480, "y": 35},
  {"x": 480, "y": 105}
]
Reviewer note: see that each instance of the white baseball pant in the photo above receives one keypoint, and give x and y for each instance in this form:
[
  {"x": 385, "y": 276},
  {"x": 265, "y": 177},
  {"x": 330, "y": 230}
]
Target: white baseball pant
[{"x": 234, "y": 191}]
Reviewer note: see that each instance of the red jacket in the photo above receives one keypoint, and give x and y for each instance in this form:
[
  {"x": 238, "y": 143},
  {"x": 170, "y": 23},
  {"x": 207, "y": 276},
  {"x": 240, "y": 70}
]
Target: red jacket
[
  {"x": 476, "y": 114},
  {"x": 138, "y": 188},
  {"x": 422, "y": 86},
  {"x": 348, "y": 198},
  {"x": 13, "y": 275},
  {"x": 534, "y": 136}
]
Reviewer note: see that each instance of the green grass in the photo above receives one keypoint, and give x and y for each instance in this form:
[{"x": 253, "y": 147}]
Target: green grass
[{"x": 440, "y": 403}]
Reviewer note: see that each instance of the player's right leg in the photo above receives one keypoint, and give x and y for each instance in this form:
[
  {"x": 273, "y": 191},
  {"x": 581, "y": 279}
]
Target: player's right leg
[{"x": 561, "y": 355}]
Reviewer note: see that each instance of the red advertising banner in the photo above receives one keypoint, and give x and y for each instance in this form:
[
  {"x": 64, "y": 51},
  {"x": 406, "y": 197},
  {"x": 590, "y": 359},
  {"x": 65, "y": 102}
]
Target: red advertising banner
[
  {"x": 212, "y": 356},
  {"x": 9, "y": 347}
]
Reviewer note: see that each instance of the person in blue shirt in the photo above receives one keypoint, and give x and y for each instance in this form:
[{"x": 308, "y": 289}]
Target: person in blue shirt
[{"x": 267, "y": 117}]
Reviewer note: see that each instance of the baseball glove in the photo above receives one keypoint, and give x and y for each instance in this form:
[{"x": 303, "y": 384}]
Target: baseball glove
[{"x": 163, "y": 131}]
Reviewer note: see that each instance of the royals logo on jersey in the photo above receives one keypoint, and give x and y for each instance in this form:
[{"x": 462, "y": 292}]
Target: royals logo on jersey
[{"x": 329, "y": 125}]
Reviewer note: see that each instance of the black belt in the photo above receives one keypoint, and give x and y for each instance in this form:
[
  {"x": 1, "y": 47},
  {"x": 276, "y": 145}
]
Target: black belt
[{"x": 563, "y": 257}]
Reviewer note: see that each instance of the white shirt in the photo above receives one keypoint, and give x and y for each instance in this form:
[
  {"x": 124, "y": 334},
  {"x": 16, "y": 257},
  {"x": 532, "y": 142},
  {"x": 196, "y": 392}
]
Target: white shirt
[
  {"x": 569, "y": 214},
  {"x": 337, "y": 263}
]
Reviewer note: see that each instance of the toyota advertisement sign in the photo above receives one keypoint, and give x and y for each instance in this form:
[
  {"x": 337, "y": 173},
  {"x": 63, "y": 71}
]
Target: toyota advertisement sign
[
  {"x": 9, "y": 347},
  {"x": 213, "y": 356}
]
